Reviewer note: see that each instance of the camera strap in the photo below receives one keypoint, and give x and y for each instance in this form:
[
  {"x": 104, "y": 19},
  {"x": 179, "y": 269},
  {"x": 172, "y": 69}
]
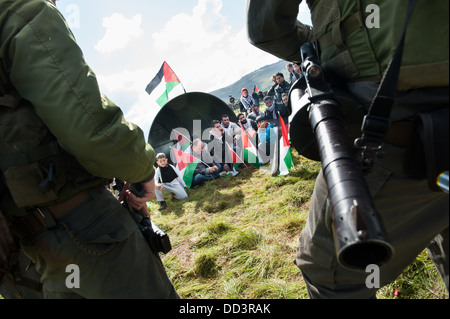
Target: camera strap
[{"x": 377, "y": 122}]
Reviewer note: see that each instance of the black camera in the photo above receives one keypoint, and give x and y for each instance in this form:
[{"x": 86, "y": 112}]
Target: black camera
[{"x": 158, "y": 240}]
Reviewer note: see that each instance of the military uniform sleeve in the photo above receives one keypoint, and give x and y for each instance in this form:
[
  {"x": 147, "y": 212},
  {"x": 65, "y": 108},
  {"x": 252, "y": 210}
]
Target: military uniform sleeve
[
  {"x": 47, "y": 67},
  {"x": 273, "y": 27}
]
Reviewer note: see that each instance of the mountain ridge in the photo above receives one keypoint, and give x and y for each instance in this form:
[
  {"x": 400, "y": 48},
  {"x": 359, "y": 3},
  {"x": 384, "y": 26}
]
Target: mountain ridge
[{"x": 260, "y": 77}]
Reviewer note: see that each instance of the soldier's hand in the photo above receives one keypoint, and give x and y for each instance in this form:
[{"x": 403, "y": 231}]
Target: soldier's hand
[{"x": 138, "y": 203}]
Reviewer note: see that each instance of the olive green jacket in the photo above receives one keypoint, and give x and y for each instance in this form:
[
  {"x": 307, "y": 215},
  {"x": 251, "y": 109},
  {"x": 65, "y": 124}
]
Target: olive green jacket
[
  {"x": 40, "y": 60},
  {"x": 357, "y": 38}
]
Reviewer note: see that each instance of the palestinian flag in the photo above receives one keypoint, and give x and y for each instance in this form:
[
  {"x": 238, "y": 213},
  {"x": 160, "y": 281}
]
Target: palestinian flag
[
  {"x": 286, "y": 161},
  {"x": 171, "y": 82},
  {"x": 252, "y": 133},
  {"x": 234, "y": 157},
  {"x": 250, "y": 152},
  {"x": 186, "y": 165},
  {"x": 183, "y": 142}
]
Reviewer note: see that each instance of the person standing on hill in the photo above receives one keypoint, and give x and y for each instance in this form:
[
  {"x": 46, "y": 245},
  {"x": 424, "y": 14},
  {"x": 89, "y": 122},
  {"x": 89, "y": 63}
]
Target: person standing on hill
[
  {"x": 62, "y": 141},
  {"x": 357, "y": 50},
  {"x": 282, "y": 87}
]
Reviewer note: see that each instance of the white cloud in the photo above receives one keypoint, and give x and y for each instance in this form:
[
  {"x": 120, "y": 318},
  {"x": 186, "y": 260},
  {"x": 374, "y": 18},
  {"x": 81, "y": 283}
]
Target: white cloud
[
  {"x": 119, "y": 32},
  {"x": 195, "y": 33},
  {"x": 203, "y": 50},
  {"x": 143, "y": 111},
  {"x": 200, "y": 46},
  {"x": 125, "y": 81}
]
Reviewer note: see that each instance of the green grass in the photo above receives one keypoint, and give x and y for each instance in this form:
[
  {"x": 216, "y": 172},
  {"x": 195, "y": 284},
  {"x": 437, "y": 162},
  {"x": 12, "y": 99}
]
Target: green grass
[{"x": 237, "y": 237}]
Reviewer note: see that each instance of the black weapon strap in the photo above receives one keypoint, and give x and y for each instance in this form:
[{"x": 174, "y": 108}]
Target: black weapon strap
[{"x": 377, "y": 123}]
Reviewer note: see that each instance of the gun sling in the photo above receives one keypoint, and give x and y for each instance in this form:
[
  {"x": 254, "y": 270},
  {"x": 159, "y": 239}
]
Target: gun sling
[{"x": 376, "y": 123}]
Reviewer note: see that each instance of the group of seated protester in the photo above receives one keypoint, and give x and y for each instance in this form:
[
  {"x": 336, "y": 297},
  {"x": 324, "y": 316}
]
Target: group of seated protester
[{"x": 215, "y": 157}]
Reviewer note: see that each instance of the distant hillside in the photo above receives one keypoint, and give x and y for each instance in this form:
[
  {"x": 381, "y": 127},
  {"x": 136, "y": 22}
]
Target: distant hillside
[{"x": 260, "y": 78}]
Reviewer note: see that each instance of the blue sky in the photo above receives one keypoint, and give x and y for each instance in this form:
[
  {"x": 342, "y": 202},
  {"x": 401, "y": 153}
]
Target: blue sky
[{"x": 125, "y": 43}]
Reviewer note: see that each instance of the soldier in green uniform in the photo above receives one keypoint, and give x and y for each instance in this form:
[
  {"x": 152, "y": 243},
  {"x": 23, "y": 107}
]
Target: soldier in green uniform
[
  {"x": 61, "y": 141},
  {"x": 356, "y": 40}
]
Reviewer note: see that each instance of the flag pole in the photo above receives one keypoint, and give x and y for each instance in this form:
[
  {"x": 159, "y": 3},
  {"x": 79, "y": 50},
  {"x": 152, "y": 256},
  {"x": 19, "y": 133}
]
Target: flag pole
[{"x": 194, "y": 156}]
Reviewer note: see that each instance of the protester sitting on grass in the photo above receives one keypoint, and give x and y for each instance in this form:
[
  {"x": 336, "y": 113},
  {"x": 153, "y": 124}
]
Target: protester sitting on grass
[
  {"x": 275, "y": 110},
  {"x": 217, "y": 146},
  {"x": 206, "y": 169},
  {"x": 234, "y": 130},
  {"x": 251, "y": 129},
  {"x": 255, "y": 113},
  {"x": 168, "y": 180},
  {"x": 230, "y": 127},
  {"x": 267, "y": 139},
  {"x": 247, "y": 124}
]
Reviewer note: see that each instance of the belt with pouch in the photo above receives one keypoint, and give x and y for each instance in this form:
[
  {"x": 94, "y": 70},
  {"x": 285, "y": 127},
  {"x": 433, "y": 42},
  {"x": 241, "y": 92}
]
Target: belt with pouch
[{"x": 44, "y": 217}]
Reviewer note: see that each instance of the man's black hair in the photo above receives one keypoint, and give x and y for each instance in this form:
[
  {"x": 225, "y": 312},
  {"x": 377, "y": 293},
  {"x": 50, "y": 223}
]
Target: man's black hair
[{"x": 260, "y": 118}]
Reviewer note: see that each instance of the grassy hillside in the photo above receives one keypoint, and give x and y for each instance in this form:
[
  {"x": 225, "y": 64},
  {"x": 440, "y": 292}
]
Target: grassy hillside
[{"x": 237, "y": 237}]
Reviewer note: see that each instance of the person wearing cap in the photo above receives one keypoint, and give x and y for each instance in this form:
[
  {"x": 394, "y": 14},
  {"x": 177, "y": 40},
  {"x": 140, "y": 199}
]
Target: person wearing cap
[{"x": 247, "y": 100}]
